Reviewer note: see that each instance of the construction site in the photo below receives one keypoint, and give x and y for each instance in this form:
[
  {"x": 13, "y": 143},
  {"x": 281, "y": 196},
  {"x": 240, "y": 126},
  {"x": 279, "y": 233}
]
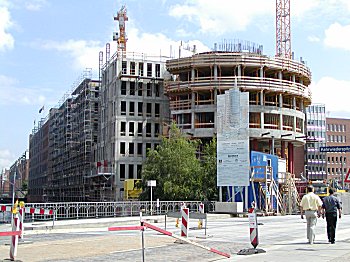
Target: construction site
[{"x": 93, "y": 145}]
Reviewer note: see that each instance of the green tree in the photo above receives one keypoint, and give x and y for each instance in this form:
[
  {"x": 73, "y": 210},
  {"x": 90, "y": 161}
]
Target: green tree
[
  {"x": 208, "y": 178},
  {"x": 175, "y": 167}
]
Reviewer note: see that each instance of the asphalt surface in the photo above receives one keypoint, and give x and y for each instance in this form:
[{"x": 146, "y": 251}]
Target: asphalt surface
[{"x": 282, "y": 237}]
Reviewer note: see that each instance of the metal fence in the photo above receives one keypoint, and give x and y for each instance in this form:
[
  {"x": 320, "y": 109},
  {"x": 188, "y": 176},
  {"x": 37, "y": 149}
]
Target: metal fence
[{"x": 83, "y": 210}]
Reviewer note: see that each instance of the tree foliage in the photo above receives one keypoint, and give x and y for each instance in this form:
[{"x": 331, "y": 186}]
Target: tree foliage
[{"x": 180, "y": 175}]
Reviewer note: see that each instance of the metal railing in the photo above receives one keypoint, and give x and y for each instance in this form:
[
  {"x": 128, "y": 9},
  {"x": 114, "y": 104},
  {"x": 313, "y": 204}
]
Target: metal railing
[{"x": 84, "y": 210}]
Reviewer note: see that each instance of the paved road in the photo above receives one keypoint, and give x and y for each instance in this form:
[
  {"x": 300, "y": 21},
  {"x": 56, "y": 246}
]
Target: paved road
[{"x": 283, "y": 238}]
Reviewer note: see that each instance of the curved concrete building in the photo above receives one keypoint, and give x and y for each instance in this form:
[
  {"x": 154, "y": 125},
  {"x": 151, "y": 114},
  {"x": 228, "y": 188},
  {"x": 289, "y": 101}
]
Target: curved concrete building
[{"x": 278, "y": 93}]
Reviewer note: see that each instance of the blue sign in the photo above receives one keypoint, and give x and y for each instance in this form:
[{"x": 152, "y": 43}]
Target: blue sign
[{"x": 334, "y": 149}]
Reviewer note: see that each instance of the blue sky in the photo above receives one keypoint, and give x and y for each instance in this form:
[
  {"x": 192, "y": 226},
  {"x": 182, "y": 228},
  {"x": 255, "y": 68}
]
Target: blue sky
[{"x": 45, "y": 46}]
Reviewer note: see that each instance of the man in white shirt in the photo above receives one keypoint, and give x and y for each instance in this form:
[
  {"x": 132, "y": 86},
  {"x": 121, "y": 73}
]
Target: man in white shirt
[{"x": 311, "y": 204}]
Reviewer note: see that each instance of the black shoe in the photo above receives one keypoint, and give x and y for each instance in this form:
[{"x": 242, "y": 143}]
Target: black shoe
[{"x": 333, "y": 242}]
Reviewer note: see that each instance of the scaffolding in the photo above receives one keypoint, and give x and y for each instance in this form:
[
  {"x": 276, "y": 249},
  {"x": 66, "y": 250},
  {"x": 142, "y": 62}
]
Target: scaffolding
[{"x": 73, "y": 135}]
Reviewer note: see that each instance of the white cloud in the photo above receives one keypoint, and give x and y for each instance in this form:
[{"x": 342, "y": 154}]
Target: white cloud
[
  {"x": 338, "y": 36},
  {"x": 159, "y": 44},
  {"x": 220, "y": 16},
  {"x": 34, "y": 5},
  {"x": 313, "y": 38},
  {"x": 6, "y": 158},
  {"x": 11, "y": 94},
  {"x": 333, "y": 93},
  {"x": 84, "y": 53},
  {"x": 6, "y": 39}
]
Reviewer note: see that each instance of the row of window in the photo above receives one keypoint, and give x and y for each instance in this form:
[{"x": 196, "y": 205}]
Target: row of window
[
  {"x": 336, "y": 127},
  {"x": 336, "y": 139},
  {"x": 336, "y": 170},
  {"x": 140, "y": 69},
  {"x": 132, "y": 111},
  {"x": 138, "y": 129},
  {"x": 135, "y": 149},
  {"x": 336, "y": 160},
  {"x": 137, "y": 88},
  {"x": 130, "y": 171},
  {"x": 316, "y": 109}
]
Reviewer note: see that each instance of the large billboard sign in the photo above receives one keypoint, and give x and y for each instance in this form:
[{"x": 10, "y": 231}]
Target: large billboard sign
[{"x": 233, "y": 138}]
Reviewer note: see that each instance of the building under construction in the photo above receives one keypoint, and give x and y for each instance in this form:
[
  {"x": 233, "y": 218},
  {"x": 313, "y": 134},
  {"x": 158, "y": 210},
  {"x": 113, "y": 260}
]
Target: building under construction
[
  {"x": 278, "y": 94},
  {"x": 62, "y": 145},
  {"x": 134, "y": 111}
]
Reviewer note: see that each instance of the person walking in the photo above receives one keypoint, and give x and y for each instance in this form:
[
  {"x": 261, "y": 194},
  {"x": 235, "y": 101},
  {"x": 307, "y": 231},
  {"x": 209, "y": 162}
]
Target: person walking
[
  {"x": 311, "y": 204},
  {"x": 331, "y": 205}
]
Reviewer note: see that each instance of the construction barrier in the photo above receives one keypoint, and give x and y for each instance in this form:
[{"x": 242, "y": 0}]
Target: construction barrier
[
  {"x": 14, "y": 238},
  {"x": 201, "y": 210},
  {"x": 194, "y": 215},
  {"x": 162, "y": 231},
  {"x": 253, "y": 225},
  {"x": 184, "y": 221}
]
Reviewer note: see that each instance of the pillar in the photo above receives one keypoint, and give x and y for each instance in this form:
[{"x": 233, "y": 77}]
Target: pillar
[
  {"x": 283, "y": 149},
  {"x": 255, "y": 144},
  {"x": 215, "y": 72},
  {"x": 290, "y": 158}
]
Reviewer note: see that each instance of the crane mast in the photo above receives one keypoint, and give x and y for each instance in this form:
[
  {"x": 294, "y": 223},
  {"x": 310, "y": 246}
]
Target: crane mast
[
  {"x": 122, "y": 18},
  {"x": 283, "y": 32}
]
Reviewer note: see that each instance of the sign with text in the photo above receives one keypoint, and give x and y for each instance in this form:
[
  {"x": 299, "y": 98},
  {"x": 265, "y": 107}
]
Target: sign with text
[
  {"x": 334, "y": 149},
  {"x": 233, "y": 138}
]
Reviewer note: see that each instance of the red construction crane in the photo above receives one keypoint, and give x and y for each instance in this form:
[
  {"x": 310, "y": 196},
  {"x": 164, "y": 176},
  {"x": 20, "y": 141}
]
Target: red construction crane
[
  {"x": 122, "y": 18},
  {"x": 283, "y": 34}
]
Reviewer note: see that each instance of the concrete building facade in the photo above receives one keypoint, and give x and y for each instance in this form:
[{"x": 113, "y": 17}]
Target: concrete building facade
[
  {"x": 315, "y": 168},
  {"x": 134, "y": 110},
  {"x": 338, "y": 134},
  {"x": 278, "y": 95}
]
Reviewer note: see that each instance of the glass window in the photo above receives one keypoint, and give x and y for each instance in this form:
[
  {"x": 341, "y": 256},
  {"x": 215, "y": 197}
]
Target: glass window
[
  {"x": 131, "y": 108},
  {"x": 140, "y": 108},
  {"x": 131, "y": 171},
  {"x": 139, "y": 129},
  {"x": 140, "y": 69},
  {"x": 123, "y": 88},
  {"x": 132, "y": 88},
  {"x": 131, "y": 129},
  {"x": 148, "y": 130},
  {"x": 149, "y": 70},
  {"x": 122, "y": 148},
  {"x": 157, "y": 70},
  {"x": 122, "y": 128},
  {"x": 139, "y": 149},
  {"x": 131, "y": 149},
  {"x": 123, "y": 108},
  {"x": 132, "y": 68},
  {"x": 122, "y": 171}
]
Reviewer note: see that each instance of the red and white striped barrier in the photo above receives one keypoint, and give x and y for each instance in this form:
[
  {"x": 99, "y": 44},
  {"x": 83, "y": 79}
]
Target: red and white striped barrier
[
  {"x": 10, "y": 233},
  {"x": 21, "y": 214},
  {"x": 30, "y": 210},
  {"x": 5, "y": 208},
  {"x": 14, "y": 239},
  {"x": 126, "y": 228},
  {"x": 253, "y": 225},
  {"x": 184, "y": 239},
  {"x": 39, "y": 211},
  {"x": 184, "y": 221}
]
